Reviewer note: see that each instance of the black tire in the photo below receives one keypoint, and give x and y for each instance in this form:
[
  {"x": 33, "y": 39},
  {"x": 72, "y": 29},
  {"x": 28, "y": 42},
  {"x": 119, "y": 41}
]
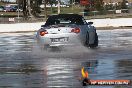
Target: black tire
[
  {"x": 87, "y": 40},
  {"x": 95, "y": 44},
  {"x": 96, "y": 40}
]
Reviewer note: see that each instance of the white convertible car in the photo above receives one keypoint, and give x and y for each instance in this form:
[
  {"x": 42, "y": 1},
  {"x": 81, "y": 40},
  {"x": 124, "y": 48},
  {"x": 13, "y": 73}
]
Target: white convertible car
[{"x": 67, "y": 29}]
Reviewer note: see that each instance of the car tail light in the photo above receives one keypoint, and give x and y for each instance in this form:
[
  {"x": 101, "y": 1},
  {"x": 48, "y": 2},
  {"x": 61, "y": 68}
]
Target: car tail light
[
  {"x": 42, "y": 33},
  {"x": 76, "y": 30}
]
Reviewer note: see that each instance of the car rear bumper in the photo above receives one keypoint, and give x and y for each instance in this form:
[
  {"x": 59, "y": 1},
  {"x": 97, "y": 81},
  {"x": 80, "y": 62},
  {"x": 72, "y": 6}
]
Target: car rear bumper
[
  {"x": 68, "y": 39},
  {"x": 57, "y": 45}
]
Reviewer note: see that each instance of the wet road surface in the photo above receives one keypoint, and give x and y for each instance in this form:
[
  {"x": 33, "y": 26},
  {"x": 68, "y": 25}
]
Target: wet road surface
[{"x": 24, "y": 65}]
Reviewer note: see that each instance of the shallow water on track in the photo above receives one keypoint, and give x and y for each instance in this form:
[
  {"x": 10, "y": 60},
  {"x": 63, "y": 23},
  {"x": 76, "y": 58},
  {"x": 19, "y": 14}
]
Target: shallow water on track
[{"x": 24, "y": 65}]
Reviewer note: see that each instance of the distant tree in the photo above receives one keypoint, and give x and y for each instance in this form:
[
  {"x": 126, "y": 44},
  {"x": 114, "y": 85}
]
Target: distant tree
[
  {"x": 98, "y": 4},
  {"x": 70, "y": 1},
  {"x": 45, "y": 9},
  {"x": 24, "y": 7},
  {"x": 109, "y": 7},
  {"x": 73, "y": 1},
  {"x": 123, "y": 4},
  {"x": 118, "y": 6},
  {"x": 35, "y": 6},
  {"x": 51, "y": 2},
  {"x": 30, "y": 7},
  {"x": 95, "y": 5}
]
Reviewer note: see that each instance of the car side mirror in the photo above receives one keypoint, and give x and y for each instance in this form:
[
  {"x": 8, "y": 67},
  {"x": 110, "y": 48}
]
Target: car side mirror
[{"x": 90, "y": 23}]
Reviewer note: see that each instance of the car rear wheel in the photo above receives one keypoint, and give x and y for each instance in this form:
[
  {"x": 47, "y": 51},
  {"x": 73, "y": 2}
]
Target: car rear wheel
[
  {"x": 95, "y": 44},
  {"x": 87, "y": 40}
]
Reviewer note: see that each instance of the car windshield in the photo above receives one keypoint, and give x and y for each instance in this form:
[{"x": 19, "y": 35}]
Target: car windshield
[{"x": 64, "y": 19}]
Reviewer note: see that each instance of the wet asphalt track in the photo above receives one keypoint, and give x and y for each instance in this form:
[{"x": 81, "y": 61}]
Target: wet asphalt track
[{"x": 24, "y": 65}]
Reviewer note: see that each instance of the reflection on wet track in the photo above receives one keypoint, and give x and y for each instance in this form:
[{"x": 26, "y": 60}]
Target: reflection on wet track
[{"x": 24, "y": 65}]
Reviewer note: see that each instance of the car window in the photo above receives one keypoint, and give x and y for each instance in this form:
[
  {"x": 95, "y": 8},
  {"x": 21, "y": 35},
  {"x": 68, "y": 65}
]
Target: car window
[{"x": 64, "y": 20}]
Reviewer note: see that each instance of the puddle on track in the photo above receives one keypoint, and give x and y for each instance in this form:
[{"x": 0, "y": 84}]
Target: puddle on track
[{"x": 24, "y": 65}]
